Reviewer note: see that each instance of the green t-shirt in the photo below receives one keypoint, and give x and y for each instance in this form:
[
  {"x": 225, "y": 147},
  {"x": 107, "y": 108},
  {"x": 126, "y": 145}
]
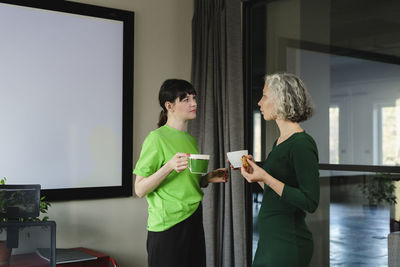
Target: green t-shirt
[{"x": 179, "y": 195}]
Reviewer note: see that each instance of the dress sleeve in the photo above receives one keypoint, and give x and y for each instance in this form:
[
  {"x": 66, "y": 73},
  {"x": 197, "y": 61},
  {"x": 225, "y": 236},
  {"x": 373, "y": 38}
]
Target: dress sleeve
[
  {"x": 304, "y": 156},
  {"x": 151, "y": 157}
]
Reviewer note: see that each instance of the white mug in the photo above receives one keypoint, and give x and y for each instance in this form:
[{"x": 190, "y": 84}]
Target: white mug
[{"x": 235, "y": 157}]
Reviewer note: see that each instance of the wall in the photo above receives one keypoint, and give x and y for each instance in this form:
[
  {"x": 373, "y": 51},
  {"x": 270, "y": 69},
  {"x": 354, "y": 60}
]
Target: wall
[
  {"x": 162, "y": 50},
  {"x": 360, "y": 88}
]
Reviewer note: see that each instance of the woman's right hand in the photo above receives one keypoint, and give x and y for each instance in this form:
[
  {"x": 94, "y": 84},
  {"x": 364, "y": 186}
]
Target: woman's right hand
[
  {"x": 250, "y": 157},
  {"x": 249, "y": 169},
  {"x": 179, "y": 162},
  {"x": 253, "y": 173}
]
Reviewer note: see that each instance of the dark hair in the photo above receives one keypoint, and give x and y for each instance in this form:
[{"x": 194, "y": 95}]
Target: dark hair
[{"x": 170, "y": 90}]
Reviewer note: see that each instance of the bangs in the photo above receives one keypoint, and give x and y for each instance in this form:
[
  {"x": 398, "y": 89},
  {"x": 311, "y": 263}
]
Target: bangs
[{"x": 185, "y": 92}]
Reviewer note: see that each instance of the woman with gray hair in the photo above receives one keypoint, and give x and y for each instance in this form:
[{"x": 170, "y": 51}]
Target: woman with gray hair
[{"x": 289, "y": 176}]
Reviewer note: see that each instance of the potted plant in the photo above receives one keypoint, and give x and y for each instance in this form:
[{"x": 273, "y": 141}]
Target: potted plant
[
  {"x": 17, "y": 198},
  {"x": 379, "y": 189}
]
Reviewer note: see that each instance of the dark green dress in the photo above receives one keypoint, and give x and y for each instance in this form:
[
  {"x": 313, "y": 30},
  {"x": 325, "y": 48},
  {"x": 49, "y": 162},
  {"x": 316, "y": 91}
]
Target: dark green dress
[{"x": 284, "y": 238}]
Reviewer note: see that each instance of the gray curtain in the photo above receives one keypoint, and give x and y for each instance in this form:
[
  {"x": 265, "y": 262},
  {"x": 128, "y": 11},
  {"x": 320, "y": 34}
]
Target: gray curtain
[{"x": 219, "y": 127}]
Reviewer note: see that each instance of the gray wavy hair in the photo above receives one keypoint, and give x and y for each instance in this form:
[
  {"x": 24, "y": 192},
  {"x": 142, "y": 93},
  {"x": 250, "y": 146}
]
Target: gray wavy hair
[{"x": 293, "y": 102}]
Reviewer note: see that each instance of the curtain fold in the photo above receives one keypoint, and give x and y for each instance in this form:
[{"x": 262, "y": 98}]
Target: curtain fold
[{"x": 219, "y": 128}]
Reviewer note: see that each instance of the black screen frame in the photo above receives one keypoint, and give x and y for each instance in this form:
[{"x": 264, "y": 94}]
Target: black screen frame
[{"x": 127, "y": 18}]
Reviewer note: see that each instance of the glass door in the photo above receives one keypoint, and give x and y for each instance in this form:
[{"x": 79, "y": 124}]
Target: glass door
[{"x": 348, "y": 54}]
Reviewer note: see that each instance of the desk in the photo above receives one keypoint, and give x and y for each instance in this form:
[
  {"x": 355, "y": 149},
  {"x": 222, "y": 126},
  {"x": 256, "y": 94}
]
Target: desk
[
  {"x": 33, "y": 260},
  {"x": 101, "y": 261}
]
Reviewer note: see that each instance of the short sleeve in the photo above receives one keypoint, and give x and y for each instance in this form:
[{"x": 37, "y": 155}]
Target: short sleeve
[
  {"x": 151, "y": 159},
  {"x": 304, "y": 156}
]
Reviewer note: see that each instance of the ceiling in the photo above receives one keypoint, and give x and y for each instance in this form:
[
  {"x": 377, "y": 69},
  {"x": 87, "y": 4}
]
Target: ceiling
[{"x": 366, "y": 25}]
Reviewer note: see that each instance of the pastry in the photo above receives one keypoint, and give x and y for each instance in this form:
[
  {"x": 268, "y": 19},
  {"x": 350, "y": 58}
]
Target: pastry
[{"x": 244, "y": 161}]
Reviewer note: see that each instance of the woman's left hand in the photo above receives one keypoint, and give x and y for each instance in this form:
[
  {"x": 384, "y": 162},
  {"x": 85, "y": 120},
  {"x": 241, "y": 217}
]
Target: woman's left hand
[
  {"x": 253, "y": 173},
  {"x": 218, "y": 176}
]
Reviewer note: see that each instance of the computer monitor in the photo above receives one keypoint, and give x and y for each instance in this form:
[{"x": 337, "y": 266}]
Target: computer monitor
[
  {"x": 19, "y": 201},
  {"x": 30, "y": 238}
]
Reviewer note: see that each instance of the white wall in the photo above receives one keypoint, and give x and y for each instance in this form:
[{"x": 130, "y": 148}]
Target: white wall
[
  {"x": 359, "y": 88},
  {"x": 162, "y": 50}
]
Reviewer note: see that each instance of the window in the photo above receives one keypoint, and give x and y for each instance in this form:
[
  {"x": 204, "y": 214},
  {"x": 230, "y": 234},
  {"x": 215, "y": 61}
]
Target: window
[
  {"x": 257, "y": 144},
  {"x": 389, "y": 135},
  {"x": 334, "y": 135}
]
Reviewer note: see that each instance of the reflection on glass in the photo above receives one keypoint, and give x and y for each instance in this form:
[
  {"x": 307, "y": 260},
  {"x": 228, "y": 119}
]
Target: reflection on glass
[
  {"x": 364, "y": 91},
  {"x": 257, "y": 136},
  {"x": 361, "y": 86},
  {"x": 360, "y": 218},
  {"x": 390, "y": 134},
  {"x": 359, "y": 211},
  {"x": 334, "y": 135},
  {"x": 349, "y": 59}
]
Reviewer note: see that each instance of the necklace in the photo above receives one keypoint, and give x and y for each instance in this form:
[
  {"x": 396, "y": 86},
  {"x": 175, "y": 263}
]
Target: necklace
[
  {"x": 283, "y": 137},
  {"x": 289, "y": 133}
]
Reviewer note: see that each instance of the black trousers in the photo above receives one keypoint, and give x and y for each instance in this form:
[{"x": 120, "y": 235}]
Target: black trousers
[{"x": 183, "y": 245}]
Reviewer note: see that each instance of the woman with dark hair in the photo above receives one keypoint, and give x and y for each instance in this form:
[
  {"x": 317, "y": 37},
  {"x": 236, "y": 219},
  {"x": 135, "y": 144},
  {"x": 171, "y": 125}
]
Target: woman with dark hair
[
  {"x": 175, "y": 225},
  {"x": 289, "y": 176}
]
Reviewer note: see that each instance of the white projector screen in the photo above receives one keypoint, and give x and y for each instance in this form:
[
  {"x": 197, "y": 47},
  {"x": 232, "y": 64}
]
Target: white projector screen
[{"x": 61, "y": 98}]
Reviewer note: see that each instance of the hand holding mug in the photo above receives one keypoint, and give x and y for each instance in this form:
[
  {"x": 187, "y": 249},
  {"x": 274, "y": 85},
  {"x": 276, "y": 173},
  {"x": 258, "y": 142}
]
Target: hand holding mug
[
  {"x": 235, "y": 158},
  {"x": 218, "y": 176},
  {"x": 178, "y": 162}
]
